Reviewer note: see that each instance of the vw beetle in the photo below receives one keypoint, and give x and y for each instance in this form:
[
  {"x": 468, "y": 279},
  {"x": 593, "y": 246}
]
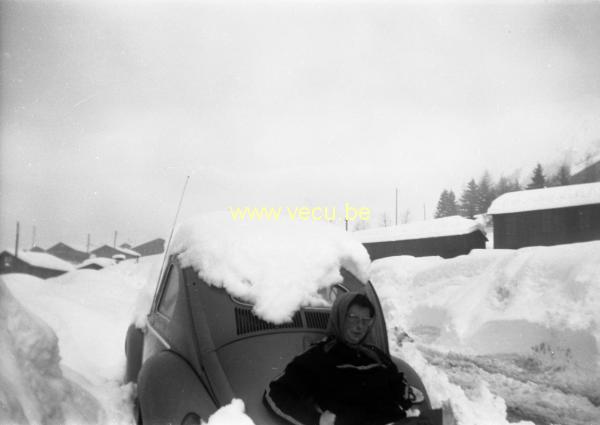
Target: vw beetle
[{"x": 201, "y": 347}]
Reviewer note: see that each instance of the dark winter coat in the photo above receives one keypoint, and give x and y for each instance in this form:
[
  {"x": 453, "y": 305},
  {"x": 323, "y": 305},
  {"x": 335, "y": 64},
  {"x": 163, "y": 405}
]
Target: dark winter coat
[{"x": 360, "y": 384}]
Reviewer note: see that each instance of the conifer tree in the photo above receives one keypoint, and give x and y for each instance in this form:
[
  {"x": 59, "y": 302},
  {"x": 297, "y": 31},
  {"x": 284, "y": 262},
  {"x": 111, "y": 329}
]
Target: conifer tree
[
  {"x": 486, "y": 193},
  {"x": 562, "y": 176},
  {"x": 446, "y": 205},
  {"x": 469, "y": 201},
  {"x": 452, "y": 205},
  {"x": 538, "y": 180},
  {"x": 503, "y": 186}
]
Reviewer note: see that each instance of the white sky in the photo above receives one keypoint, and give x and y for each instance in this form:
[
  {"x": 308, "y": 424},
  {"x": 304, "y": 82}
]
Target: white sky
[{"x": 107, "y": 106}]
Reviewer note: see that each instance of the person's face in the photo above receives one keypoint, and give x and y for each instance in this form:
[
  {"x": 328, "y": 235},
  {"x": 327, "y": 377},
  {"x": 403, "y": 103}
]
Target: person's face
[{"x": 357, "y": 324}]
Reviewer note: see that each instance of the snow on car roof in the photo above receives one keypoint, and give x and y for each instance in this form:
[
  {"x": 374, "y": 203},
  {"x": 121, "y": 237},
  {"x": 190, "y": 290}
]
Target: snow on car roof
[
  {"x": 278, "y": 265},
  {"x": 446, "y": 226},
  {"x": 546, "y": 198},
  {"x": 47, "y": 261}
]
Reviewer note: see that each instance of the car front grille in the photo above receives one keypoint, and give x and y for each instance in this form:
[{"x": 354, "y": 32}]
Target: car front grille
[
  {"x": 316, "y": 319},
  {"x": 246, "y": 322}
]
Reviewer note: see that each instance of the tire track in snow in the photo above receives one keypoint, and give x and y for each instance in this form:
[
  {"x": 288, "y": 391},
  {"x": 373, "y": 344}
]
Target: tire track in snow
[{"x": 529, "y": 393}]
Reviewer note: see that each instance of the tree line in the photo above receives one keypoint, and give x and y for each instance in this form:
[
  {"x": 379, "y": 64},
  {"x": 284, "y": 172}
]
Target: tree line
[{"x": 479, "y": 194}]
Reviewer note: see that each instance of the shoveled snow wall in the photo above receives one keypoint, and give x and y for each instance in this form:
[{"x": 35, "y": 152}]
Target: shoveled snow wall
[{"x": 32, "y": 386}]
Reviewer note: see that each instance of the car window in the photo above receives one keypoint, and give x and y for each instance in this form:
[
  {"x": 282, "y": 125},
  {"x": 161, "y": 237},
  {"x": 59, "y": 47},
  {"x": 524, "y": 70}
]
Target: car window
[{"x": 166, "y": 305}]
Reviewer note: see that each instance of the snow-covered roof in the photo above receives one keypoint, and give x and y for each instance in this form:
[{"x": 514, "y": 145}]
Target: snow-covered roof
[
  {"x": 101, "y": 261},
  {"x": 446, "y": 226},
  {"x": 546, "y": 198},
  {"x": 278, "y": 265},
  {"x": 45, "y": 260}
]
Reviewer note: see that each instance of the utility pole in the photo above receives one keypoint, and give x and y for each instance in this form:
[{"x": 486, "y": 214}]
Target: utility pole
[
  {"x": 424, "y": 214},
  {"x": 87, "y": 246},
  {"x": 396, "y": 206},
  {"x": 17, "y": 242},
  {"x": 346, "y": 225},
  {"x": 115, "y": 241},
  {"x": 33, "y": 237}
]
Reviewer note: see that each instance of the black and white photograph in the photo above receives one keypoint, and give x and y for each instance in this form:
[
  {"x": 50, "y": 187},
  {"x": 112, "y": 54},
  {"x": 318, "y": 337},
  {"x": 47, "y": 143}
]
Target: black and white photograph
[{"x": 314, "y": 212}]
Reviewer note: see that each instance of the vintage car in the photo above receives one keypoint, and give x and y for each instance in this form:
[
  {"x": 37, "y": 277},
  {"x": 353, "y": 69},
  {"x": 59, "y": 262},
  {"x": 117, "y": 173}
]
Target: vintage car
[{"x": 201, "y": 348}]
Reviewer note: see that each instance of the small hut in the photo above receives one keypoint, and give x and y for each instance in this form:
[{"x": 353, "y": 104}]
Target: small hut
[
  {"x": 548, "y": 216},
  {"x": 446, "y": 237}
]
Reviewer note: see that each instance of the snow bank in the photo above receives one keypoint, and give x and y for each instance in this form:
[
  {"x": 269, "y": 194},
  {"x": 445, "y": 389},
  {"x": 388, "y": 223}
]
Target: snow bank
[
  {"x": 501, "y": 326},
  {"x": 446, "y": 226},
  {"x": 33, "y": 388},
  {"x": 85, "y": 307},
  {"x": 470, "y": 298},
  {"x": 278, "y": 265},
  {"x": 90, "y": 311}
]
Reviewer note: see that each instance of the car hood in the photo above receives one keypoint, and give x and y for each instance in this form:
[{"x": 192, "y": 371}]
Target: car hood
[{"x": 251, "y": 363}]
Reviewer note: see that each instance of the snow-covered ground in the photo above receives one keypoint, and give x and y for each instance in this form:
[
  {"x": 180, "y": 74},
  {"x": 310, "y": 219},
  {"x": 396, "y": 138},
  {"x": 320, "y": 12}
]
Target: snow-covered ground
[
  {"x": 498, "y": 336},
  {"x": 521, "y": 325}
]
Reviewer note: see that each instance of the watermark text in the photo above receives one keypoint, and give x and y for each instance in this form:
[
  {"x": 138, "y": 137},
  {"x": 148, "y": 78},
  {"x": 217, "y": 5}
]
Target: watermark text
[{"x": 303, "y": 213}]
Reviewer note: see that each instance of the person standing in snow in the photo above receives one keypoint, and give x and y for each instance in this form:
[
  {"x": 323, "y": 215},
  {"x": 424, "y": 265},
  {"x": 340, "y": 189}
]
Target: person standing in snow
[{"x": 344, "y": 379}]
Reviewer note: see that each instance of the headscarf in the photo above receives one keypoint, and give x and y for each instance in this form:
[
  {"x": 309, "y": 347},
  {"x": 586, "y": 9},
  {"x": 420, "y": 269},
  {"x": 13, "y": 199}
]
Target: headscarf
[{"x": 337, "y": 319}]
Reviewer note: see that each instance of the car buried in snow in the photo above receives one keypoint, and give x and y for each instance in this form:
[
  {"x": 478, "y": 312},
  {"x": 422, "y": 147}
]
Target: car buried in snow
[{"x": 201, "y": 347}]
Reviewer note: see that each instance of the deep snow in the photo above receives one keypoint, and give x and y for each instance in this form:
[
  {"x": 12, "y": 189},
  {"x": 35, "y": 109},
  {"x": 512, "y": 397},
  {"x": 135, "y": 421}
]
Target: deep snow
[
  {"x": 497, "y": 336},
  {"x": 277, "y": 266}
]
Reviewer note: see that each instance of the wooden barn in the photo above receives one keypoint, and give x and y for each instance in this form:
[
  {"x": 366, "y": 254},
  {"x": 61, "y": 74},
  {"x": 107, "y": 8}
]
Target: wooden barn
[
  {"x": 549, "y": 216},
  {"x": 67, "y": 253},
  {"x": 37, "y": 264},
  {"x": 446, "y": 237},
  {"x": 107, "y": 251},
  {"x": 153, "y": 247}
]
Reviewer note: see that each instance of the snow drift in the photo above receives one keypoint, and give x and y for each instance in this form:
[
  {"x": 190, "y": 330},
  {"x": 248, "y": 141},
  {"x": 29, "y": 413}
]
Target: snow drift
[
  {"x": 513, "y": 323},
  {"x": 33, "y": 388}
]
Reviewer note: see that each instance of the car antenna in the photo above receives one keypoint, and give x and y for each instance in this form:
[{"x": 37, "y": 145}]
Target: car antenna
[{"x": 162, "y": 267}]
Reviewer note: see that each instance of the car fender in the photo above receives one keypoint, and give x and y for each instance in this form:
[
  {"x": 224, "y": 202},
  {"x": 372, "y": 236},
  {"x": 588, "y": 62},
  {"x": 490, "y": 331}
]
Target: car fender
[
  {"x": 134, "y": 344},
  {"x": 413, "y": 380},
  {"x": 170, "y": 392}
]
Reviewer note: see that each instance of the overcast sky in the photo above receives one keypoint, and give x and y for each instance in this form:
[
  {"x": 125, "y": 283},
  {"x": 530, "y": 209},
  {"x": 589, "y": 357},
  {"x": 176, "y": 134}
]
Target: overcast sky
[{"x": 107, "y": 106}]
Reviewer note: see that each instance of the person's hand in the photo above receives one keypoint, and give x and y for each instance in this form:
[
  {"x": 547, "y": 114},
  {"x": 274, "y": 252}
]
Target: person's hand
[
  {"x": 327, "y": 418},
  {"x": 413, "y": 413}
]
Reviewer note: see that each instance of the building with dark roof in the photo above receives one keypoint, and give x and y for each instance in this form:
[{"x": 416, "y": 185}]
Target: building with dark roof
[
  {"x": 153, "y": 247},
  {"x": 67, "y": 253}
]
